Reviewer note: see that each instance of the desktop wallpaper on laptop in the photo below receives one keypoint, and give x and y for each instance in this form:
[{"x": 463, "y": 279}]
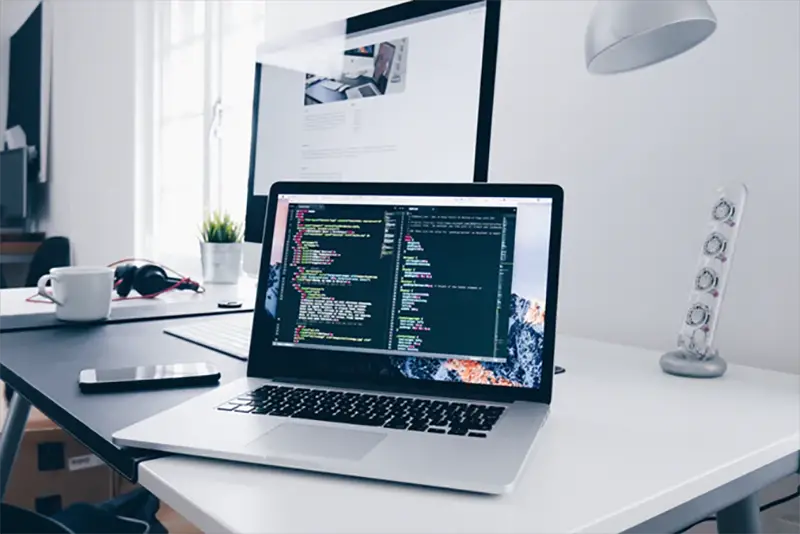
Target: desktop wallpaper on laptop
[{"x": 526, "y": 309}]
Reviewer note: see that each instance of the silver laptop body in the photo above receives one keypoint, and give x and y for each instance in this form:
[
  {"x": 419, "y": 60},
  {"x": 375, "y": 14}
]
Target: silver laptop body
[{"x": 452, "y": 367}]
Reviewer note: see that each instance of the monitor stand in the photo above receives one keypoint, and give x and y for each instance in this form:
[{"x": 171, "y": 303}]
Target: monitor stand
[{"x": 251, "y": 259}]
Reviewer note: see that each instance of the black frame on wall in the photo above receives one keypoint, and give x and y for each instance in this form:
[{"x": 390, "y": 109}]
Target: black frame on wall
[
  {"x": 28, "y": 109},
  {"x": 25, "y": 84}
]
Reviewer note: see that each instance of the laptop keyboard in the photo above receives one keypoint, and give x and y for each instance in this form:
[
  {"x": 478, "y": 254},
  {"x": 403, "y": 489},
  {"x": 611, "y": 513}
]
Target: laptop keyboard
[{"x": 401, "y": 413}]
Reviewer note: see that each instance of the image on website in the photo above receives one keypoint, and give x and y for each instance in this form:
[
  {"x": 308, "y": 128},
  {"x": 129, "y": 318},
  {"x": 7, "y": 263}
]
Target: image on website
[
  {"x": 340, "y": 271},
  {"x": 367, "y": 71}
]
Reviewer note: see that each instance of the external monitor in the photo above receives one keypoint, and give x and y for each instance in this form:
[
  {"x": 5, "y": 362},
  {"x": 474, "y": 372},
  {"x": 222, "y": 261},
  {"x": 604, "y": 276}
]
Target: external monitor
[
  {"x": 13, "y": 188},
  {"x": 426, "y": 118}
]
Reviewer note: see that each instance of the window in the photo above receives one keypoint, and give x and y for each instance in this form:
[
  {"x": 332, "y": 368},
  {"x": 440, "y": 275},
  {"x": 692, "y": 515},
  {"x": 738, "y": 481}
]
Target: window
[{"x": 204, "y": 67}]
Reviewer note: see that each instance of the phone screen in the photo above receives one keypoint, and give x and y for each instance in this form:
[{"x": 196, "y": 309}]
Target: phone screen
[{"x": 153, "y": 372}]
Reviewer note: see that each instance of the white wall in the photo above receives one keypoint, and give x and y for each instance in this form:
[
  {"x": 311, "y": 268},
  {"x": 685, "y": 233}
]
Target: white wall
[
  {"x": 91, "y": 193},
  {"x": 94, "y": 154},
  {"x": 640, "y": 155}
]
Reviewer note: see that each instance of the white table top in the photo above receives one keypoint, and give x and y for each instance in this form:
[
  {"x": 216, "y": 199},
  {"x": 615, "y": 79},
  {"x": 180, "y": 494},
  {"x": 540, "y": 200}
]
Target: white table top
[
  {"x": 13, "y": 301},
  {"x": 624, "y": 443}
]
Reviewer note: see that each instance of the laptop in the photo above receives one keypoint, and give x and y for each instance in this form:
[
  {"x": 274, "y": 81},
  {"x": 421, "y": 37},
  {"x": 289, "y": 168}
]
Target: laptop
[{"x": 408, "y": 336}]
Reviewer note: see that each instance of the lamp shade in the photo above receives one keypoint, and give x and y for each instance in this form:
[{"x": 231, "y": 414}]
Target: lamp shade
[{"x": 625, "y": 35}]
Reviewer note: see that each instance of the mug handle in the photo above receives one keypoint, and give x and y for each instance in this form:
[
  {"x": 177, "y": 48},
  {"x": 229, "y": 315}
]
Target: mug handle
[{"x": 41, "y": 287}]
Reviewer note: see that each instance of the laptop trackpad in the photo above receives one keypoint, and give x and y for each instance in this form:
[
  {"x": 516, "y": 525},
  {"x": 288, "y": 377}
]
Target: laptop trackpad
[{"x": 320, "y": 441}]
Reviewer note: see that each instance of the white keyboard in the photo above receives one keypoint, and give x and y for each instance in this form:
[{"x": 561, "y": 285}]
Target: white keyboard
[{"x": 229, "y": 334}]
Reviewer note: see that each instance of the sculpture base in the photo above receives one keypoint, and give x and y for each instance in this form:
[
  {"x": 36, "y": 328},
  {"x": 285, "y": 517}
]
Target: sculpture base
[{"x": 682, "y": 363}]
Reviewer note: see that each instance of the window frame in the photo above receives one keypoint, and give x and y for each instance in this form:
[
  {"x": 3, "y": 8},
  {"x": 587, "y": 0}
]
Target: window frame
[{"x": 213, "y": 36}]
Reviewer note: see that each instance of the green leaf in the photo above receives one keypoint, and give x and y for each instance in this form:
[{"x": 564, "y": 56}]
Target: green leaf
[{"x": 219, "y": 227}]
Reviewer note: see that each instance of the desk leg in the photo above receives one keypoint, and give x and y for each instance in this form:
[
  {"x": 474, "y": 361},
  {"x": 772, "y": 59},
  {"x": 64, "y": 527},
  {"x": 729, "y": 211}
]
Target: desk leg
[
  {"x": 13, "y": 429},
  {"x": 741, "y": 517}
]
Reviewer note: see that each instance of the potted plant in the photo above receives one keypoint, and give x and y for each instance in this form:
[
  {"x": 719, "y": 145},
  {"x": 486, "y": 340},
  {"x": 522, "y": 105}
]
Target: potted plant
[{"x": 221, "y": 249}]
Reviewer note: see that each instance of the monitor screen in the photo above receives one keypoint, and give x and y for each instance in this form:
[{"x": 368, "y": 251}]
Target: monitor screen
[
  {"x": 437, "y": 288},
  {"x": 397, "y": 95},
  {"x": 13, "y": 187}
]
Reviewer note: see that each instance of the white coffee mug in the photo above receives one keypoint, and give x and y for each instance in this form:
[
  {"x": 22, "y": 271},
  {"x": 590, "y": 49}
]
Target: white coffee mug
[{"x": 80, "y": 293}]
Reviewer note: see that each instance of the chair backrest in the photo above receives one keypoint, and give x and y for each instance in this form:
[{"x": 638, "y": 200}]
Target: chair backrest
[
  {"x": 53, "y": 252},
  {"x": 21, "y": 521}
]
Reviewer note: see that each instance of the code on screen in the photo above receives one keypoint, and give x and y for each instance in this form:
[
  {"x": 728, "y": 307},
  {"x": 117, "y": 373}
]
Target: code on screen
[{"x": 419, "y": 280}]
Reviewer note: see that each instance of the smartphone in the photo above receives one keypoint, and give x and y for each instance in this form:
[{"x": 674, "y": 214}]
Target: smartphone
[{"x": 174, "y": 375}]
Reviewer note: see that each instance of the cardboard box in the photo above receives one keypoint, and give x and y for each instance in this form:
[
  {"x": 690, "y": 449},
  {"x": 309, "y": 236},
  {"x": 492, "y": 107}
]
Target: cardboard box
[{"x": 52, "y": 470}]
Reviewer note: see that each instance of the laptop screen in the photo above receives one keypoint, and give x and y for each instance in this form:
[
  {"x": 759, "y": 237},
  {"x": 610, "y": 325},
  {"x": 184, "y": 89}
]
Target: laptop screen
[{"x": 447, "y": 289}]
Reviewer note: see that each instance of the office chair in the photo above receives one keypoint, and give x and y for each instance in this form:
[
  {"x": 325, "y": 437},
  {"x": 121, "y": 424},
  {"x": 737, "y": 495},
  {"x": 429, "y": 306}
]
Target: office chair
[
  {"x": 21, "y": 521},
  {"x": 53, "y": 252}
]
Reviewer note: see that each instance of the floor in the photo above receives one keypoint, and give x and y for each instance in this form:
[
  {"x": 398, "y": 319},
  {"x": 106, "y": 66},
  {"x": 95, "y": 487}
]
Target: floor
[
  {"x": 174, "y": 522},
  {"x": 782, "y": 519}
]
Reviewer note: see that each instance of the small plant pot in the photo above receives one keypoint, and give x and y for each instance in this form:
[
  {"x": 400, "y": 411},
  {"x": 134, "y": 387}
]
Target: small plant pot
[{"x": 222, "y": 262}]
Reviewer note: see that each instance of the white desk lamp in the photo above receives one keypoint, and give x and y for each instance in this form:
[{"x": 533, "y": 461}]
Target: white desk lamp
[{"x": 625, "y": 35}]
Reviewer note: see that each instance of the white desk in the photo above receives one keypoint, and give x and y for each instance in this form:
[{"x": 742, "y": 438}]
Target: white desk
[
  {"x": 626, "y": 447},
  {"x": 14, "y": 301}
]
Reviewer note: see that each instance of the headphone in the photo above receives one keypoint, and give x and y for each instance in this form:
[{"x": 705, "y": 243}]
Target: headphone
[{"x": 149, "y": 280}]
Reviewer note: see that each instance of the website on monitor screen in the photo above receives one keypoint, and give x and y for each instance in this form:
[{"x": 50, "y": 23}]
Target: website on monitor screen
[{"x": 399, "y": 103}]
